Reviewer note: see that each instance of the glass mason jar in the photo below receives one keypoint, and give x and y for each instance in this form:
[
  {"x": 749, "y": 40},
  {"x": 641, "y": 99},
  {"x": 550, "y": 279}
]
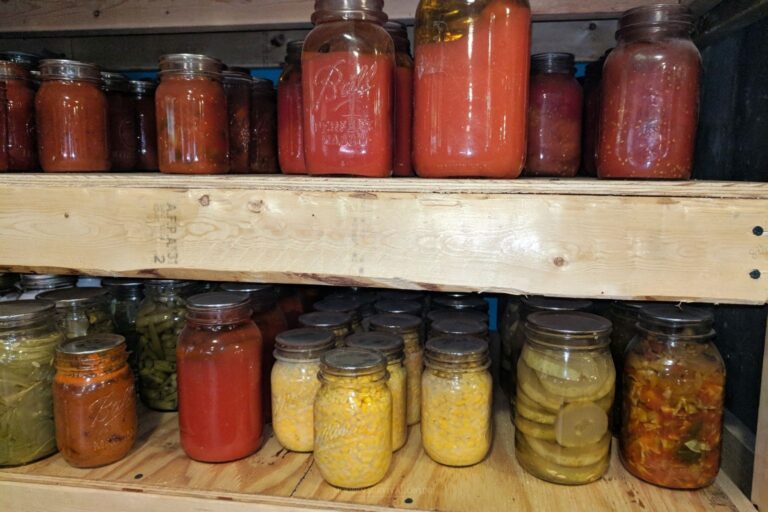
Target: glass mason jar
[
  {"x": 345, "y": 304},
  {"x": 457, "y": 400},
  {"x": 391, "y": 346},
  {"x": 290, "y": 113},
  {"x": 339, "y": 323},
  {"x": 674, "y": 383},
  {"x": 363, "y": 297},
  {"x": 509, "y": 308},
  {"x": 438, "y": 315},
  {"x": 565, "y": 388},
  {"x": 125, "y": 299},
  {"x": 471, "y": 88},
  {"x": 459, "y": 327},
  {"x": 71, "y": 115},
  {"x": 591, "y": 128},
  {"x": 402, "y": 165},
  {"x": 291, "y": 304},
  {"x": 3, "y": 129},
  {"x": 33, "y": 285},
  {"x": 143, "y": 93},
  {"x": 347, "y": 73},
  {"x": 29, "y": 61},
  {"x": 295, "y": 385},
  {"x": 554, "y": 117},
  {"x": 263, "y": 143},
  {"x": 409, "y": 328},
  {"x": 650, "y": 96},
  {"x": 623, "y": 316},
  {"x": 29, "y": 335},
  {"x": 191, "y": 111},
  {"x": 399, "y": 307},
  {"x": 353, "y": 418},
  {"x": 94, "y": 401},
  {"x": 19, "y": 110},
  {"x": 161, "y": 318},
  {"x": 220, "y": 381},
  {"x": 237, "y": 86},
  {"x": 122, "y": 122},
  {"x": 81, "y": 311}
]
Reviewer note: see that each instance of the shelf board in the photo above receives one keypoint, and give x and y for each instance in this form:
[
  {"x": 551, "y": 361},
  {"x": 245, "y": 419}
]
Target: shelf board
[{"x": 158, "y": 476}]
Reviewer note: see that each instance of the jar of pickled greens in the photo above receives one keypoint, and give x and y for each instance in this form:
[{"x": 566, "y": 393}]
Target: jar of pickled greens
[
  {"x": 408, "y": 327},
  {"x": 29, "y": 335},
  {"x": 459, "y": 327},
  {"x": 338, "y": 323},
  {"x": 161, "y": 318},
  {"x": 342, "y": 305},
  {"x": 623, "y": 316},
  {"x": 508, "y": 325},
  {"x": 295, "y": 384},
  {"x": 674, "y": 383},
  {"x": 237, "y": 85},
  {"x": 81, "y": 311},
  {"x": 391, "y": 346},
  {"x": 565, "y": 388},
  {"x": 353, "y": 418},
  {"x": 33, "y": 285},
  {"x": 457, "y": 400},
  {"x": 125, "y": 298}
]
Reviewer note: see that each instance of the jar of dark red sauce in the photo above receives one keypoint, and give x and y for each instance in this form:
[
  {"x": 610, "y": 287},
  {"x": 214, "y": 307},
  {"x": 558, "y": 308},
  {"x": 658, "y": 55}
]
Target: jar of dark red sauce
[
  {"x": 122, "y": 122},
  {"x": 263, "y": 127},
  {"x": 19, "y": 141},
  {"x": 143, "y": 92},
  {"x": 237, "y": 85}
]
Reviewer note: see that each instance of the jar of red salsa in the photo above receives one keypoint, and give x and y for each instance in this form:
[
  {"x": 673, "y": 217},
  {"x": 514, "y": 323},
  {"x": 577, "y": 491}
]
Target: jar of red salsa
[
  {"x": 402, "y": 165},
  {"x": 347, "y": 70},
  {"x": 674, "y": 383},
  {"x": 122, "y": 122},
  {"x": 650, "y": 96},
  {"x": 237, "y": 85},
  {"x": 471, "y": 88},
  {"x": 220, "y": 380},
  {"x": 71, "y": 114},
  {"x": 263, "y": 127},
  {"x": 19, "y": 111},
  {"x": 554, "y": 117},
  {"x": 143, "y": 92},
  {"x": 290, "y": 113},
  {"x": 191, "y": 109}
]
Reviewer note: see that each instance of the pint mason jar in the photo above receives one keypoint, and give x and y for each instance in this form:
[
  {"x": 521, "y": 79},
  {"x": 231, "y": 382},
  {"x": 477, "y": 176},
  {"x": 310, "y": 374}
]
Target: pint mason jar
[{"x": 121, "y": 122}]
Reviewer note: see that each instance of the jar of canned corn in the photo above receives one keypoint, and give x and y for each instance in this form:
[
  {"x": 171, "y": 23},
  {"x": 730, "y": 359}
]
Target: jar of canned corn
[
  {"x": 339, "y": 323},
  {"x": 346, "y": 304},
  {"x": 353, "y": 418},
  {"x": 456, "y": 422}
]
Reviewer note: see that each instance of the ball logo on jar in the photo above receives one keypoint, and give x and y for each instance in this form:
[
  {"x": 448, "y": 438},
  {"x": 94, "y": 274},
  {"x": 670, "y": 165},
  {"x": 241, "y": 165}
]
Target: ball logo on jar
[{"x": 344, "y": 88}]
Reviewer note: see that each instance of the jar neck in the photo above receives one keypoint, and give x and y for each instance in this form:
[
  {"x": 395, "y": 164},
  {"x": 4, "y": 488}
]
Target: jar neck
[
  {"x": 349, "y": 10},
  {"x": 46, "y": 320},
  {"x": 354, "y": 380},
  {"x": 163, "y": 293},
  {"x": 678, "y": 334},
  {"x": 219, "y": 316},
  {"x": 458, "y": 365},
  {"x": 654, "y": 32},
  {"x": 89, "y": 365}
]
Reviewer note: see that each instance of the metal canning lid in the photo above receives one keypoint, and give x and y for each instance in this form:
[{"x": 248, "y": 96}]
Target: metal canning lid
[
  {"x": 173, "y": 283},
  {"x": 250, "y": 288},
  {"x": 553, "y": 62},
  {"x": 554, "y": 304},
  {"x": 391, "y": 345},
  {"x": 670, "y": 315},
  {"x": 293, "y": 50},
  {"x": 75, "y": 296},
  {"x": 460, "y": 327},
  {"x": 401, "y": 295},
  {"x": 190, "y": 64},
  {"x": 142, "y": 86},
  {"x": 23, "y": 309},
  {"x": 92, "y": 344},
  {"x": 122, "y": 283},
  {"x": 398, "y": 307},
  {"x": 236, "y": 77},
  {"x": 217, "y": 300},
  {"x": 573, "y": 329},
  {"x": 304, "y": 339},
  {"x": 470, "y": 314},
  {"x": 395, "y": 322},
  {"x": 340, "y": 305},
  {"x": 461, "y": 303},
  {"x": 63, "y": 69},
  {"x": 28, "y": 60},
  {"x": 43, "y": 281},
  {"x": 115, "y": 82},
  {"x": 352, "y": 361},
  {"x": 325, "y": 319},
  {"x": 452, "y": 349},
  {"x": 656, "y": 15},
  {"x": 13, "y": 71}
]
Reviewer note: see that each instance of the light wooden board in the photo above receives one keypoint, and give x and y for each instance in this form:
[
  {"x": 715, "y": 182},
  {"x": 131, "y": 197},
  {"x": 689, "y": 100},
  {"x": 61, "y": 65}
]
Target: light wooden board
[
  {"x": 760, "y": 473},
  {"x": 581, "y": 238},
  {"x": 274, "y": 478}
]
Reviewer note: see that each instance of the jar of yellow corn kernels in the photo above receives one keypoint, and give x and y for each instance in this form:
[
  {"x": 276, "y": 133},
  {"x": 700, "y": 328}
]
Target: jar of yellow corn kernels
[
  {"x": 391, "y": 346},
  {"x": 345, "y": 304},
  {"x": 339, "y": 323},
  {"x": 407, "y": 327},
  {"x": 456, "y": 387},
  {"x": 353, "y": 418},
  {"x": 295, "y": 384}
]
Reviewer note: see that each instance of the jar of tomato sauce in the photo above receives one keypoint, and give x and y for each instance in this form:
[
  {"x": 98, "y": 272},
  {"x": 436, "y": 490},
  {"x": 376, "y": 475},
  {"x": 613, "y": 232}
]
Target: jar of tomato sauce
[
  {"x": 94, "y": 401},
  {"x": 220, "y": 381},
  {"x": 237, "y": 85},
  {"x": 263, "y": 127},
  {"x": 143, "y": 92},
  {"x": 347, "y": 69},
  {"x": 19, "y": 110},
  {"x": 402, "y": 166},
  {"x": 290, "y": 113},
  {"x": 122, "y": 122},
  {"x": 71, "y": 113},
  {"x": 191, "y": 110},
  {"x": 554, "y": 117},
  {"x": 471, "y": 88},
  {"x": 650, "y": 96}
]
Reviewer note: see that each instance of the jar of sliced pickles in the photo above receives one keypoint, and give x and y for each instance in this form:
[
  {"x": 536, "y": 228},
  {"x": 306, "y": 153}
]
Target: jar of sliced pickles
[
  {"x": 565, "y": 388},
  {"x": 457, "y": 400},
  {"x": 125, "y": 298},
  {"x": 295, "y": 385},
  {"x": 161, "y": 318},
  {"x": 623, "y": 316},
  {"x": 353, "y": 418},
  {"x": 33, "y": 285},
  {"x": 29, "y": 335},
  {"x": 339, "y": 323},
  {"x": 674, "y": 384},
  {"x": 82, "y": 311},
  {"x": 459, "y": 327},
  {"x": 391, "y": 346}
]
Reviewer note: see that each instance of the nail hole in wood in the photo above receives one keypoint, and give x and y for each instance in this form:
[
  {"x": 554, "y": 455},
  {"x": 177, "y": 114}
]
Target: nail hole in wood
[
  {"x": 66, "y": 215},
  {"x": 205, "y": 200},
  {"x": 96, "y": 13},
  {"x": 559, "y": 261},
  {"x": 409, "y": 500},
  {"x": 757, "y": 230},
  {"x": 138, "y": 476},
  {"x": 755, "y": 274}
]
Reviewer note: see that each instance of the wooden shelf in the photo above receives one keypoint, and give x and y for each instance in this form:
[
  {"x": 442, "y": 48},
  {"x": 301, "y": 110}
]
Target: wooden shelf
[
  {"x": 580, "y": 237},
  {"x": 158, "y": 476}
]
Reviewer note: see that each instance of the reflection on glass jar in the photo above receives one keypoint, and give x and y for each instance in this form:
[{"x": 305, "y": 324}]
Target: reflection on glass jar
[
  {"x": 338, "y": 323},
  {"x": 81, "y": 311},
  {"x": 290, "y": 113},
  {"x": 122, "y": 122},
  {"x": 19, "y": 140}
]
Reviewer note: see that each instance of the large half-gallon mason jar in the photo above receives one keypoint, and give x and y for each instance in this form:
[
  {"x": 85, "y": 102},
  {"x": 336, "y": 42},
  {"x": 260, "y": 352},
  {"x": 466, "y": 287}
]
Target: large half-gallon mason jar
[
  {"x": 650, "y": 96},
  {"x": 191, "y": 110},
  {"x": 237, "y": 85},
  {"x": 143, "y": 92},
  {"x": 402, "y": 165},
  {"x": 347, "y": 72},
  {"x": 122, "y": 122},
  {"x": 565, "y": 388},
  {"x": 29, "y": 335},
  {"x": 125, "y": 299},
  {"x": 353, "y": 418},
  {"x": 471, "y": 88},
  {"x": 290, "y": 113},
  {"x": 674, "y": 383},
  {"x": 19, "y": 142},
  {"x": 82, "y": 311}
]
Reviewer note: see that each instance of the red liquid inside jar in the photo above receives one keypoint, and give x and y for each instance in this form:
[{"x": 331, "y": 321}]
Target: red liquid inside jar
[
  {"x": 290, "y": 126},
  {"x": 20, "y": 141},
  {"x": 238, "y": 89},
  {"x": 263, "y": 145},
  {"x": 403, "y": 121},
  {"x": 3, "y": 130}
]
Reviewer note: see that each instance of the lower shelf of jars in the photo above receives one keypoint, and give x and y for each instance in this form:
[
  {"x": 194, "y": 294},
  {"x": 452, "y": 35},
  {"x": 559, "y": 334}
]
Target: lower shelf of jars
[{"x": 158, "y": 476}]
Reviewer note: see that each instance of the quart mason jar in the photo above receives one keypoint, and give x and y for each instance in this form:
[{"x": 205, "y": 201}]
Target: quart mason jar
[
  {"x": 403, "y": 123},
  {"x": 122, "y": 122},
  {"x": 290, "y": 113},
  {"x": 263, "y": 145},
  {"x": 353, "y": 418},
  {"x": 295, "y": 385},
  {"x": 125, "y": 299},
  {"x": 81, "y": 311},
  {"x": 674, "y": 382},
  {"x": 20, "y": 142},
  {"x": 565, "y": 388},
  {"x": 457, "y": 399},
  {"x": 347, "y": 73},
  {"x": 338, "y": 323},
  {"x": 237, "y": 85},
  {"x": 33, "y": 285},
  {"x": 29, "y": 335},
  {"x": 143, "y": 92}
]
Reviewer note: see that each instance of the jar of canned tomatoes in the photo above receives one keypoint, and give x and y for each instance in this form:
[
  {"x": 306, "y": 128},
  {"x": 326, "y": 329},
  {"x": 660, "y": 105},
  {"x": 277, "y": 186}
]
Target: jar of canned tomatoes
[
  {"x": 263, "y": 145},
  {"x": 237, "y": 85},
  {"x": 290, "y": 113},
  {"x": 19, "y": 141},
  {"x": 143, "y": 94},
  {"x": 122, "y": 122}
]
